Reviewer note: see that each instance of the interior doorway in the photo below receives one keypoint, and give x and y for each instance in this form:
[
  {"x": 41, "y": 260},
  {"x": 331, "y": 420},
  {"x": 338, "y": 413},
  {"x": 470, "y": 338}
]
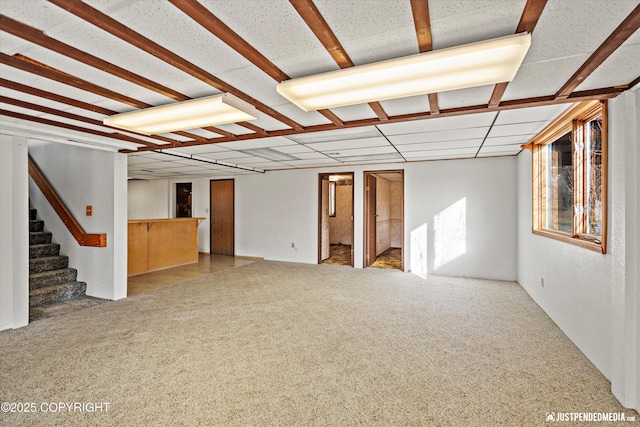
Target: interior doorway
[
  {"x": 183, "y": 200},
  {"x": 384, "y": 219},
  {"x": 222, "y": 217},
  {"x": 335, "y": 218}
]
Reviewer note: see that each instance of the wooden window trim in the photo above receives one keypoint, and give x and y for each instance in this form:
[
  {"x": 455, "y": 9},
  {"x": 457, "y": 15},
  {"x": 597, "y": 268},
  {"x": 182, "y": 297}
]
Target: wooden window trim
[{"x": 573, "y": 120}]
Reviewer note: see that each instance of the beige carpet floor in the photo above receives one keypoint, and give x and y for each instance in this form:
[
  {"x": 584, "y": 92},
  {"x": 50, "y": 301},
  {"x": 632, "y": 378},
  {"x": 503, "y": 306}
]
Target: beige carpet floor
[{"x": 290, "y": 344}]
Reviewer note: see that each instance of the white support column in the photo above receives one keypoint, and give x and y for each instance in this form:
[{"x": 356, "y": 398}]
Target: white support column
[{"x": 14, "y": 233}]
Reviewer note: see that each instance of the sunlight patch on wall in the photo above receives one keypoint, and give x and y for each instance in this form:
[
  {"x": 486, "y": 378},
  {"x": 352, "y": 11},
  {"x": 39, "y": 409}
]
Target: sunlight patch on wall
[
  {"x": 450, "y": 238},
  {"x": 418, "y": 262}
]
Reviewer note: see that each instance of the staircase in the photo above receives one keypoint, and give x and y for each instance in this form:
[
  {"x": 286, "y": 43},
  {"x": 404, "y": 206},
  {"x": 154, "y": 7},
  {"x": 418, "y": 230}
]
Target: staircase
[{"x": 51, "y": 281}]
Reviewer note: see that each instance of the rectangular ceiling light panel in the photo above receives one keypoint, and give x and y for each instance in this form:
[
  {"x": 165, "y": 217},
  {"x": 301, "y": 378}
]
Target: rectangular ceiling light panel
[
  {"x": 192, "y": 114},
  {"x": 476, "y": 64}
]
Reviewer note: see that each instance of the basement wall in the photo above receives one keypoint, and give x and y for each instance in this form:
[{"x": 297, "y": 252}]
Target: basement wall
[
  {"x": 81, "y": 177},
  {"x": 340, "y": 225},
  {"x": 594, "y": 298},
  {"x": 275, "y": 209}
]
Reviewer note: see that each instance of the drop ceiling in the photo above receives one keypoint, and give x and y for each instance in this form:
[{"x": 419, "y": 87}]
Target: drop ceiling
[{"x": 68, "y": 64}]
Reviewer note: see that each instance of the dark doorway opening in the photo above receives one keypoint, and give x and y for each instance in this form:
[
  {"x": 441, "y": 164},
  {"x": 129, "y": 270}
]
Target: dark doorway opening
[{"x": 183, "y": 200}]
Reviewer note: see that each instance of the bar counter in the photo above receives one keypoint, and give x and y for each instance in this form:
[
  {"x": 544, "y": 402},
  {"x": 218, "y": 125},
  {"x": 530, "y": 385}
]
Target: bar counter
[{"x": 156, "y": 244}]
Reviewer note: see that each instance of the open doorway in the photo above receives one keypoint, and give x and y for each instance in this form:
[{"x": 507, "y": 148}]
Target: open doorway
[
  {"x": 183, "y": 200},
  {"x": 335, "y": 218},
  {"x": 384, "y": 219}
]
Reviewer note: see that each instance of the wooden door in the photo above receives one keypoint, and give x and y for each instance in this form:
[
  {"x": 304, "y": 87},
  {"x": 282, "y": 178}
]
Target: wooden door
[
  {"x": 221, "y": 221},
  {"x": 324, "y": 220},
  {"x": 370, "y": 247}
]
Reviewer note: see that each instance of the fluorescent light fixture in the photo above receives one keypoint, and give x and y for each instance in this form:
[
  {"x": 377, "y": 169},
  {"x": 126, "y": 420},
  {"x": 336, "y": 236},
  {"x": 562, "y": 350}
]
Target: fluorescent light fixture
[
  {"x": 192, "y": 114},
  {"x": 476, "y": 64}
]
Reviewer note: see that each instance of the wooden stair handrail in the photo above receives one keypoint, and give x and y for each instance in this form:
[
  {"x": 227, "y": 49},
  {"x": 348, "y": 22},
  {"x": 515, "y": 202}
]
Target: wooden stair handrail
[{"x": 83, "y": 238}]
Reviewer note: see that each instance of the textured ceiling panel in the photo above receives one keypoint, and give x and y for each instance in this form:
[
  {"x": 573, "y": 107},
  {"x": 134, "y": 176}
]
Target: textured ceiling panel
[{"x": 446, "y": 123}]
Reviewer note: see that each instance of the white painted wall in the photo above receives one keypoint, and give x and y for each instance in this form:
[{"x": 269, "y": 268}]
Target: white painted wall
[
  {"x": 278, "y": 208},
  {"x": 594, "y": 297},
  {"x": 468, "y": 209},
  {"x": 81, "y": 177},
  {"x": 148, "y": 199},
  {"x": 14, "y": 233}
]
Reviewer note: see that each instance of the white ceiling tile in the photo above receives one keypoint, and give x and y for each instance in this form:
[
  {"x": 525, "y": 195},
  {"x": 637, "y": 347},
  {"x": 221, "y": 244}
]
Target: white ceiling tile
[
  {"x": 463, "y": 97},
  {"x": 530, "y": 128},
  {"x": 535, "y": 114},
  {"x": 371, "y": 32},
  {"x": 445, "y": 135},
  {"x": 507, "y": 140},
  {"x": 350, "y": 144},
  {"x": 619, "y": 69},
  {"x": 501, "y": 149},
  {"x": 409, "y": 105},
  {"x": 570, "y": 28},
  {"x": 466, "y": 143},
  {"x": 439, "y": 153},
  {"x": 354, "y": 112},
  {"x": 363, "y": 151},
  {"x": 438, "y": 124},
  {"x": 458, "y": 22}
]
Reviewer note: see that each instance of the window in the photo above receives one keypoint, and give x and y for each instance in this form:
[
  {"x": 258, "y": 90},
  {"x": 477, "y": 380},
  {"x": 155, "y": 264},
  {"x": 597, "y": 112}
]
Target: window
[
  {"x": 569, "y": 177},
  {"x": 332, "y": 198}
]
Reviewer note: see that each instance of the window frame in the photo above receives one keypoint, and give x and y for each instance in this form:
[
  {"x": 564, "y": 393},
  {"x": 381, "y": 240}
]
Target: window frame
[{"x": 575, "y": 121}]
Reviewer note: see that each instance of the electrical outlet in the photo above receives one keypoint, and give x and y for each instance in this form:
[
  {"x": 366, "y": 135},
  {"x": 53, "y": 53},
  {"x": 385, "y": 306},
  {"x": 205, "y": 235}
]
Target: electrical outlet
[
  {"x": 542, "y": 282},
  {"x": 89, "y": 210},
  {"x": 293, "y": 245}
]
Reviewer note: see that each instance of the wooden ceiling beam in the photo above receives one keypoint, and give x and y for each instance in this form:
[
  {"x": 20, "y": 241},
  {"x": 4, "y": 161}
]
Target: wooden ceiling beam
[
  {"x": 314, "y": 20},
  {"x": 36, "y": 36},
  {"x": 69, "y": 101},
  {"x": 599, "y": 94},
  {"x": 215, "y": 26},
  {"x": 41, "y": 120},
  {"x": 27, "y": 64},
  {"x": 626, "y": 28},
  {"x": 528, "y": 21},
  {"x": 110, "y": 25},
  {"x": 422, "y": 23}
]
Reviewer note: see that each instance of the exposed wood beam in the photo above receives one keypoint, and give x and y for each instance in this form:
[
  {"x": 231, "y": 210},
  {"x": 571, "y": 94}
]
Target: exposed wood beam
[
  {"x": 332, "y": 117},
  {"x": 629, "y": 26},
  {"x": 215, "y": 26},
  {"x": 528, "y": 21},
  {"x": 422, "y": 22},
  {"x": 70, "y": 101},
  {"x": 38, "y": 37},
  {"x": 110, "y": 25},
  {"x": 54, "y": 97},
  {"x": 496, "y": 95},
  {"x": 254, "y": 128},
  {"x": 314, "y": 20},
  {"x": 26, "y": 64},
  {"x": 48, "y": 122},
  {"x": 530, "y": 16},
  {"x": 600, "y": 94}
]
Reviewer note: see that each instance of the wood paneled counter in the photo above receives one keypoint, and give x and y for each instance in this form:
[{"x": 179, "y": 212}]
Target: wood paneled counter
[{"x": 156, "y": 244}]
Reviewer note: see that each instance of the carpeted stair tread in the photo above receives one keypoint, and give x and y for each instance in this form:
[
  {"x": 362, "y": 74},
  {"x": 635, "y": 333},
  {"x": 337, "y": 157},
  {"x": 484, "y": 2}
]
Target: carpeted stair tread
[
  {"x": 32, "y": 214},
  {"x": 44, "y": 250},
  {"x": 56, "y": 293},
  {"x": 39, "y": 237},
  {"x": 36, "y": 226},
  {"x": 50, "y": 278},
  {"x": 39, "y": 265}
]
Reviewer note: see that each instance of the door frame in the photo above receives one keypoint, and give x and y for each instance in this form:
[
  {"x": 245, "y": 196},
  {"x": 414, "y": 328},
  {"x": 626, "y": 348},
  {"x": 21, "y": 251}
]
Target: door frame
[
  {"x": 233, "y": 216},
  {"x": 365, "y": 215},
  {"x": 320, "y": 178}
]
